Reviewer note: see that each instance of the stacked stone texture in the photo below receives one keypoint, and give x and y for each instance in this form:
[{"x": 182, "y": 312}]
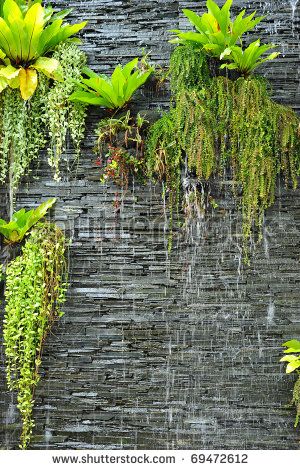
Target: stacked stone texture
[{"x": 161, "y": 351}]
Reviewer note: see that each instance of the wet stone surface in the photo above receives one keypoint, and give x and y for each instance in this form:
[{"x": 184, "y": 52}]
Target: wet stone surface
[{"x": 159, "y": 351}]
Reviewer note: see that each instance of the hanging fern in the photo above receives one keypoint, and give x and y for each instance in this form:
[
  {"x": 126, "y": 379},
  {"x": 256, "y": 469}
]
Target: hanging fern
[
  {"x": 35, "y": 292},
  {"x": 226, "y": 127}
]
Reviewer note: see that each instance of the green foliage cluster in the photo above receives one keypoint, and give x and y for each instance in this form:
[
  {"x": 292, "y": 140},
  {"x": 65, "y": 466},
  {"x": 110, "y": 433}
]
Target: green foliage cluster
[
  {"x": 26, "y": 126},
  {"x": 221, "y": 37},
  {"x": 63, "y": 117},
  {"x": 35, "y": 292},
  {"x": 189, "y": 69},
  {"x": 248, "y": 59},
  {"x": 164, "y": 161},
  {"x": 112, "y": 92},
  {"x": 292, "y": 357},
  {"x": 27, "y": 35},
  {"x": 22, "y": 221},
  {"x": 120, "y": 148},
  {"x": 226, "y": 125}
]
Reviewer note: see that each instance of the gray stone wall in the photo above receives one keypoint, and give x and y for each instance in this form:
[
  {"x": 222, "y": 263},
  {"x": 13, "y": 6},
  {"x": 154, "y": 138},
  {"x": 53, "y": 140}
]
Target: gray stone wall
[{"x": 161, "y": 351}]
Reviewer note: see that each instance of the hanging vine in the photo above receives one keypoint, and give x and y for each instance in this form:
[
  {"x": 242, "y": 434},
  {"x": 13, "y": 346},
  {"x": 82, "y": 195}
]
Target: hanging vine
[
  {"x": 35, "y": 292},
  {"x": 25, "y": 124},
  {"x": 62, "y": 116},
  {"x": 225, "y": 126}
]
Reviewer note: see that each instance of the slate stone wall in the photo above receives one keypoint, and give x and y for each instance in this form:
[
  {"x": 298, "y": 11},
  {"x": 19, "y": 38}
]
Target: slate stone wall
[{"x": 159, "y": 351}]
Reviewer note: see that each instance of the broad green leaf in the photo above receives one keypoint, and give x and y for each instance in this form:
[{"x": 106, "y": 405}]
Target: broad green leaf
[
  {"x": 112, "y": 92},
  {"x": 47, "y": 66},
  {"x": 194, "y": 19},
  {"x": 14, "y": 82},
  {"x": 9, "y": 72},
  {"x": 225, "y": 53},
  {"x": 22, "y": 221},
  {"x": 293, "y": 366},
  {"x": 7, "y": 40},
  {"x": 89, "y": 98},
  {"x": 64, "y": 33},
  {"x": 11, "y": 12},
  {"x": 48, "y": 34},
  {"x": 28, "y": 82},
  {"x": 229, "y": 66},
  {"x": 42, "y": 209},
  {"x": 60, "y": 15},
  {"x": 3, "y": 84},
  {"x": 2, "y": 55},
  {"x": 128, "y": 68},
  {"x": 34, "y": 23},
  {"x": 293, "y": 343},
  {"x": 210, "y": 24},
  {"x": 289, "y": 358},
  {"x": 90, "y": 73},
  {"x": 118, "y": 82},
  {"x": 192, "y": 37}
]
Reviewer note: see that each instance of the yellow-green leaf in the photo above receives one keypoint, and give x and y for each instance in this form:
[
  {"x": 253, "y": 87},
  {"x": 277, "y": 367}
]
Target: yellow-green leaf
[
  {"x": 28, "y": 82},
  {"x": 47, "y": 66},
  {"x": 11, "y": 11},
  {"x": 34, "y": 22},
  {"x": 9, "y": 72},
  {"x": 3, "y": 84}
]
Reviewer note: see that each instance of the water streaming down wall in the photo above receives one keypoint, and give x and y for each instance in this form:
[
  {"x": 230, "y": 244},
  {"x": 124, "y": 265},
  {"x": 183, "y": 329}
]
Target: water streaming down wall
[{"x": 159, "y": 351}]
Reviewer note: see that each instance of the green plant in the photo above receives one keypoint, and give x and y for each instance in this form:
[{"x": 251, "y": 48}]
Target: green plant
[
  {"x": 120, "y": 147},
  {"x": 35, "y": 291},
  {"x": 292, "y": 357},
  {"x": 114, "y": 92},
  {"x": 246, "y": 61},
  {"x": 26, "y": 37},
  {"x": 216, "y": 30},
  {"x": 188, "y": 69},
  {"x": 164, "y": 159},
  {"x": 224, "y": 127},
  {"x": 62, "y": 117},
  {"x": 22, "y": 221},
  {"x": 47, "y": 118}
]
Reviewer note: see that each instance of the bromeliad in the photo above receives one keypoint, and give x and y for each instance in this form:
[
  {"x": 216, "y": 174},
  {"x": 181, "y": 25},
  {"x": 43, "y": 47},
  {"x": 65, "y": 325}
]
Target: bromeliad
[
  {"x": 247, "y": 60},
  {"x": 216, "y": 31},
  {"x": 114, "y": 92},
  {"x": 28, "y": 32},
  {"x": 22, "y": 221}
]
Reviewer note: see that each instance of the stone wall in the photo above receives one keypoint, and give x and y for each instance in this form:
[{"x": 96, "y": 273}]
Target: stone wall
[{"x": 165, "y": 351}]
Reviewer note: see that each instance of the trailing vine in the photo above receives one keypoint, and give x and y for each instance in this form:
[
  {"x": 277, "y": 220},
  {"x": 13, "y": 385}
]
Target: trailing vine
[
  {"x": 35, "y": 292},
  {"x": 26, "y": 126},
  {"x": 224, "y": 127},
  {"x": 62, "y": 116}
]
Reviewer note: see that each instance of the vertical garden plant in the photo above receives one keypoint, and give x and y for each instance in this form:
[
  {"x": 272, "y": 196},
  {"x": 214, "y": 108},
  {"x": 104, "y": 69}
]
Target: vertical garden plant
[
  {"x": 39, "y": 62},
  {"x": 223, "y": 121},
  {"x": 120, "y": 135},
  {"x": 35, "y": 291}
]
